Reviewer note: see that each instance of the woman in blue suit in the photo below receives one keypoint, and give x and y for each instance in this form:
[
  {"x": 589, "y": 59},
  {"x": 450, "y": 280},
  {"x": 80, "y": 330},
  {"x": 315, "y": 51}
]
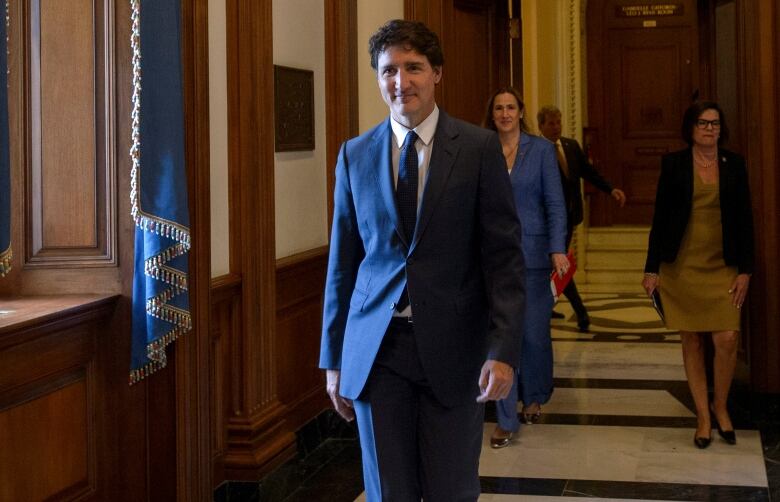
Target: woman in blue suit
[{"x": 536, "y": 184}]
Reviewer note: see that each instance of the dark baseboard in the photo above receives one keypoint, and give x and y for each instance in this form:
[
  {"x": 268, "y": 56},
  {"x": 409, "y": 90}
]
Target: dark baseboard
[{"x": 319, "y": 442}]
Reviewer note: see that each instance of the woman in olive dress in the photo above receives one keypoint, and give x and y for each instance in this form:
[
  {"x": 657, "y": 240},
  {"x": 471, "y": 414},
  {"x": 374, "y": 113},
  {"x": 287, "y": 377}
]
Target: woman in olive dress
[{"x": 700, "y": 257}]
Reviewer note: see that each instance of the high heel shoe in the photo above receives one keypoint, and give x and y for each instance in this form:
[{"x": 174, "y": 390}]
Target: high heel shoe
[
  {"x": 500, "y": 438},
  {"x": 531, "y": 418},
  {"x": 728, "y": 436},
  {"x": 701, "y": 442}
]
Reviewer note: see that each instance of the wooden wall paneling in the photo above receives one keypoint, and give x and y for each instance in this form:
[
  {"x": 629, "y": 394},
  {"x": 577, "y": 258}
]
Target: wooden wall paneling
[
  {"x": 255, "y": 434},
  {"x": 299, "y": 292},
  {"x": 65, "y": 85},
  {"x": 57, "y": 270},
  {"x": 341, "y": 94},
  {"x": 474, "y": 38},
  {"x": 761, "y": 104},
  {"x": 225, "y": 327},
  {"x": 69, "y": 97},
  {"x": 53, "y": 427},
  {"x": 193, "y": 351},
  {"x": 433, "y": 14}
]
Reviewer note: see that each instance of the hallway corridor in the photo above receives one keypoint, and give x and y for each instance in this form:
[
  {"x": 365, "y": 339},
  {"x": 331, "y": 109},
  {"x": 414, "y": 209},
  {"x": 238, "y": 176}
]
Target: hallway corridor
[{"x": 619, "y": 427}]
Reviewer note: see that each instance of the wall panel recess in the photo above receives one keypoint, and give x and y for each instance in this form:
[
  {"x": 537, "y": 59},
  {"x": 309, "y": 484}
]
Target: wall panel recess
[{"x": 68, "y": 107}]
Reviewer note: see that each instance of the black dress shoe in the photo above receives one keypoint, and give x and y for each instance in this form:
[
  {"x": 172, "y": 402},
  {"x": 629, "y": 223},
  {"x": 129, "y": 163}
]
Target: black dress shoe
[
  {"x": 701, "y": 442},
  {"x": 557, "y": 315},
  {"x": 728, "y": 436},
  {"x": 583, "y": 323}
]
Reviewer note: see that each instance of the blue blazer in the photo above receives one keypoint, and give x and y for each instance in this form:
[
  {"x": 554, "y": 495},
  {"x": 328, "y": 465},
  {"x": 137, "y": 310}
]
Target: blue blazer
[
  {"x": 536, "y": 184},
  {"x": 464, "y": 266}
]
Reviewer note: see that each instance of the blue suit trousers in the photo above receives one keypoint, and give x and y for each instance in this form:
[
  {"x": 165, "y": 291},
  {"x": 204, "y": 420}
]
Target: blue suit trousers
[{"x": 533, "y": 381}]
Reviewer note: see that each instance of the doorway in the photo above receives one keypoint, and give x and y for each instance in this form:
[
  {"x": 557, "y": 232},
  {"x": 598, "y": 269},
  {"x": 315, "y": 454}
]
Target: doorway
[{"x": 643, "y": 72}]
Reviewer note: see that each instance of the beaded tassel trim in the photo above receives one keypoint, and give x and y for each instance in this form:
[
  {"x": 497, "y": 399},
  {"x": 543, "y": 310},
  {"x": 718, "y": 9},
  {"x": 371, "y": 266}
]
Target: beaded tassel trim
[
  {"x": 7, "y": 255},
  {"x": 5, "y": 261},
  {"x": 155, "y": 266}
]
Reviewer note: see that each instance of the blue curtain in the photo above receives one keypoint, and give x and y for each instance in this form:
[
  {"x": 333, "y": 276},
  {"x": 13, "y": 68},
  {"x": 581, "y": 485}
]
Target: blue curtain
[
  {"x": 161, "y": 310},
  {"x": 5, "y": 156}
]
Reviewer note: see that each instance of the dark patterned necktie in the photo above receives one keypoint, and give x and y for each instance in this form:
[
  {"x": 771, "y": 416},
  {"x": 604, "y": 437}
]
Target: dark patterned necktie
[
  {"x": 406, "y": 188},
  {"x": 406, "y": 196}
]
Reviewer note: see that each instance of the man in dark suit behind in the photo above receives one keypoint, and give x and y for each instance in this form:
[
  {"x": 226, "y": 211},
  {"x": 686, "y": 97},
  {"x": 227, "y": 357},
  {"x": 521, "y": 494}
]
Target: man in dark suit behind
[
  {"x": 573, "y": 164},
  {"x": 424, "y": 292}
]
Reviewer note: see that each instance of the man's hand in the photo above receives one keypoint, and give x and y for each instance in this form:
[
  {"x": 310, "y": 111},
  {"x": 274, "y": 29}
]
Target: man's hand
[
  {"x": 495, "y": 381},
  {"x": 343, "y": 405},
  {"x": 619, "y": 196}
]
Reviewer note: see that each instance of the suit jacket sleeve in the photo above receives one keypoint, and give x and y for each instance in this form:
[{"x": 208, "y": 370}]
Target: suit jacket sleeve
[
  {"x": 588, "y": 172},
  {"x": 346, "y": 253},
  {"x": 554, "y": 202},
  {"x": 660, "y": 217},
  {"x": 502, "y": 257}
]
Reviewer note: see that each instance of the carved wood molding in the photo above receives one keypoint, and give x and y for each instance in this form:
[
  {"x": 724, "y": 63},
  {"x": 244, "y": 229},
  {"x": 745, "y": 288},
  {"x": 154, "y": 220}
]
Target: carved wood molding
[
  {"x": 255, "y": 410},
  {"x": 760, "y": 95},
  {"x": 341, "y": 83},
  {"x": 193, "y": 351}
]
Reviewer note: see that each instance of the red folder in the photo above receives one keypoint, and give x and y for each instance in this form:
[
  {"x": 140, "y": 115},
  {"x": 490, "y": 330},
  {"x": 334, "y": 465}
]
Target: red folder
[{"x": 558, "y": 283}]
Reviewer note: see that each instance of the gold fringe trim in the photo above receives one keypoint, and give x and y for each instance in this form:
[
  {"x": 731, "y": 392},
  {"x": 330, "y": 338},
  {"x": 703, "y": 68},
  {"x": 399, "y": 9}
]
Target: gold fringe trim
[
  {"x": 155, "y": 267},
  {"x": 5, "y": 261}
]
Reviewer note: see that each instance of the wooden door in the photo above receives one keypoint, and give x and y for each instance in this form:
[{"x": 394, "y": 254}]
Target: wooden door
[
  {"x": 475, "y": 38},
  {"x": 646, "y": 71}
]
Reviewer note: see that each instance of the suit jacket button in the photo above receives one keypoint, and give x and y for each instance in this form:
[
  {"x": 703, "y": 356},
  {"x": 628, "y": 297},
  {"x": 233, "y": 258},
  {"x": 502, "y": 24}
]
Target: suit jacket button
[
  {"x": 409, "y": 261},
  {"x": 392, "y": 306}
]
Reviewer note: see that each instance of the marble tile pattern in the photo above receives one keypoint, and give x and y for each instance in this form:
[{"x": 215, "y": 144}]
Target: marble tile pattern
[{"x": 619, "y": 427}]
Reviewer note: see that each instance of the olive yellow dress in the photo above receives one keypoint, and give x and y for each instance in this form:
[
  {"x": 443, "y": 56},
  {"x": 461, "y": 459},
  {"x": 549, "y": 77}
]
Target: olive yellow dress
[{"x": 695, "y": 287}]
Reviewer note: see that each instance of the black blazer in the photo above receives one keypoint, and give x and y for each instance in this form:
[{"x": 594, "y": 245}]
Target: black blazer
[
  {"x": 579, "y": 167},
  {"x": 673, "y": 202}
]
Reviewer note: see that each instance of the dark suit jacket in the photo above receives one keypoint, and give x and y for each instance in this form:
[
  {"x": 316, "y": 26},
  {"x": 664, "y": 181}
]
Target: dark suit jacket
[
  {"x": 673, "y": 203},
  {"x": 464, "y": 266},
  {"x": 579, "y": 167}
]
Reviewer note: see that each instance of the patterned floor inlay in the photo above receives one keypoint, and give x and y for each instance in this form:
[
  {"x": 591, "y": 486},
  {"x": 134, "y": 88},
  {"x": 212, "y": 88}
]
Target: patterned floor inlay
[{"x": 619, "y": 427}]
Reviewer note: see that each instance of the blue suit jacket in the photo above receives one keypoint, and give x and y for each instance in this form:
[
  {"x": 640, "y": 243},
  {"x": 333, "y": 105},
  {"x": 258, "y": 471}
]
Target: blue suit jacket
[
  {"x": 464, "y": 266},
  {"x": 536, "y": 184}
]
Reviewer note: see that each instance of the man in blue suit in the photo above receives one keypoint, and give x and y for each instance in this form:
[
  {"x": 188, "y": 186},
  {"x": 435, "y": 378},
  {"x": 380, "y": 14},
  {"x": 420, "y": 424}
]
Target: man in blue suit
[{"x": 424, "y": 293}]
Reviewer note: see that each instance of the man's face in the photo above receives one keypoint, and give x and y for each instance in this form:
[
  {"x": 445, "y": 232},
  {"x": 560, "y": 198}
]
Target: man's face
[
  {"x": 407, "y": 82},
  {"x": 551, "y": 128}
]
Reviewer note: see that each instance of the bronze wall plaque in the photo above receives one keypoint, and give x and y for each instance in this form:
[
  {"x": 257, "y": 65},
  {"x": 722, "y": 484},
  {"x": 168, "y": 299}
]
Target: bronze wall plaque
[
  {"x": 293, "y": 109},
  {"x": 649, "y": 10}
]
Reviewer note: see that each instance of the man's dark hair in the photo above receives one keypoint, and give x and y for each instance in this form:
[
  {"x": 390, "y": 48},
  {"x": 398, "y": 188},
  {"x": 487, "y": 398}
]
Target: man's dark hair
[
  {"x": 411, "y": 35},
  {"x": 693, "y": 113}
]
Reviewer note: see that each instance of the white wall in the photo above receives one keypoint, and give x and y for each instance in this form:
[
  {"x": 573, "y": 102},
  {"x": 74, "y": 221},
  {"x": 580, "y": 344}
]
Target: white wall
[
  {"x": 371, "y": 14},
  {"x": 300, "y": 177},
  {"x": 220, "y": 215},
  {"x": 301, "y": 185}
]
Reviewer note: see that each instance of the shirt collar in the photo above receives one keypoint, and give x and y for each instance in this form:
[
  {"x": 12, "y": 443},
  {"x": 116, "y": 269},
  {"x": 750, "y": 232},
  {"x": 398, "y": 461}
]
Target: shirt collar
[{"x": 425, "y": 129}]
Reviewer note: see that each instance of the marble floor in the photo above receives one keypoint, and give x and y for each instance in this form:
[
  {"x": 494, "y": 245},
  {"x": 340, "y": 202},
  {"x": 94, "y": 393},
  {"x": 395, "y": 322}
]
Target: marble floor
[{"x": 618, "y": 427}]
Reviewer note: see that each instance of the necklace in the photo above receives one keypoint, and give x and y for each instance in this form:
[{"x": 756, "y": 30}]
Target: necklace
[
  {"x": 510, "y": 153},
  {"x": 703, "y": 162}
]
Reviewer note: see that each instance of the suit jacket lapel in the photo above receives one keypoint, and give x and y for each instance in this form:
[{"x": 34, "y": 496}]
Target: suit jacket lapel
[
  {"x": 445, "y": 151},
  {"x": 380, "y": 155}
]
